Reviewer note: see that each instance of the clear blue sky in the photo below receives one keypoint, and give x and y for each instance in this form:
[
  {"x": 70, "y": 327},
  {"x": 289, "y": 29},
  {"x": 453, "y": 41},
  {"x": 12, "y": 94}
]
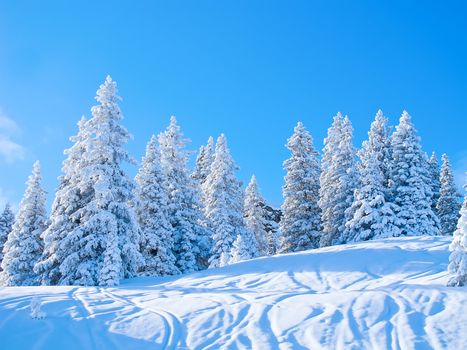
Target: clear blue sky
[{"x": 250, "y": 69}]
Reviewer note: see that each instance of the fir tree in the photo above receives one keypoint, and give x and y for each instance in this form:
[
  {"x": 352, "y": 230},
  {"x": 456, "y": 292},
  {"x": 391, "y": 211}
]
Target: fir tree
[
  {"x": 458, "y": 259},
  {"x": 338, "y": 180},
  {"x": 191, "y": 238},
  {"x": 434, "y": 175},
  {"x": 255, "y": 216},
  {"x": 23, "y": 247},
  {"x": 152, "y": 214},
  {"x": 69, "y": 199},
  {"x": 300, "y": 222},
  {"x": 224, "y": 204},
  {"x": 244, "y": 247},
  {"x": 411, "y": 185},
  {"x": 7, "y": 219},
  {"x": 448, "y": 205},
  {"x": 373, "y": 216},
  {"x": 104, "y": 247},
  {"x": 203, "y": 162}
]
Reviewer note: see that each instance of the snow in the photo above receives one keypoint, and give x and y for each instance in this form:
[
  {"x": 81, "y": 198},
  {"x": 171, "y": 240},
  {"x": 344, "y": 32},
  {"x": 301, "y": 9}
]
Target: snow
[{"x": 371, "y": 295}]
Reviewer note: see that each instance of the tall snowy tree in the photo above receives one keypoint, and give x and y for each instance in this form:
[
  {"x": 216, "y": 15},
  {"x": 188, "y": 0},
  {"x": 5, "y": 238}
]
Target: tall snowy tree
[
  {"x": 338, "y": 180},
  {"x": 152, "y": 214},
  {"x": 458, "y": 259},
  {"x": 300, "y": 222},
  {"x": 272, "y": 228},
  {"x": 104, "y": 247},
  {"x": 434, "y": 175},
  {"x": 411, "y": 185},
  {"x": 7, "y": 219},
  {"x": 373, "y": 216},
  {"x": 191, "y": 238},
  {"x": 69, "y": 198},
  {"x": 255, "y": 216},
  {"x": 224, "y": 204},
  {"x": 23, "y": 247},
  {"x": 203, "y": 162},
  {"x": 448, "y": 205}
]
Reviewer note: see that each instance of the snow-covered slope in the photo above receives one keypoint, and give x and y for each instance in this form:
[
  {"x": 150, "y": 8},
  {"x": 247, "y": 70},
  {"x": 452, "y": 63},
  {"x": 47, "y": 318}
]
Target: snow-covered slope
[{"x": 387, "y": 294}]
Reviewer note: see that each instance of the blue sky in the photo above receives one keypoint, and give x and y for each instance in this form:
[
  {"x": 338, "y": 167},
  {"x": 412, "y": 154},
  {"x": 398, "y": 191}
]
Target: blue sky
[{"x": 250, "y": 69}]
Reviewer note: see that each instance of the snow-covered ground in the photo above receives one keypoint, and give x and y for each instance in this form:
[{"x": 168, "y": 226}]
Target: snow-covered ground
[{"x": 387, "y": 294}]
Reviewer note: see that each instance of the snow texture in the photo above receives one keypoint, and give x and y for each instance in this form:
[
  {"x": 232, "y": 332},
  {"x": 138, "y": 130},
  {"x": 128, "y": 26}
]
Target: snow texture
[{"x": 381, "y": 294}]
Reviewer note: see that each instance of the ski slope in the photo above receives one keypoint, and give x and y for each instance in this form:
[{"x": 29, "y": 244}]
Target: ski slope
[{"x": 387, "y": 294}]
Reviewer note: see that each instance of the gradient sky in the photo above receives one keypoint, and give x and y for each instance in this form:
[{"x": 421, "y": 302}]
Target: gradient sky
[{"x": 250, "y": 69}]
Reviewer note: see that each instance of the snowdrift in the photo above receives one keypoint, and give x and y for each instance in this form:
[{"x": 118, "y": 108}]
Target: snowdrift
[{"x": 387, "y": 294}]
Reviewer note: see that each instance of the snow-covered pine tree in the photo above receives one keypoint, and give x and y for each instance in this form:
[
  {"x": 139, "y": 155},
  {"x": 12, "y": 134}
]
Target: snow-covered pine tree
[
  {"x": 272, "y": 229},
  {"x": 224, "y": 204},
  {"x": 410, "y": 178},
  {"x": 244, "y": 247},
  {"x": 300, "y": 223},
  {"x": 448, "y": 204},
  {"x": 458, "y": 259},
  {"x": 69, "y": 198},
  {"x": 7, "y": 219},
  {"x": 104, "y": 247},
  {"x": 23, "y": 247},
  {"x": 373, "y": 216},
  {"x": 191, "y": 238},
  {"x": 203, "y": 162},
  {"x": 255, "y": 216},
  {"x": 338, "y": 180},
  {"x": 434, "y": 173},
  {"x": 152, "y": 214}
]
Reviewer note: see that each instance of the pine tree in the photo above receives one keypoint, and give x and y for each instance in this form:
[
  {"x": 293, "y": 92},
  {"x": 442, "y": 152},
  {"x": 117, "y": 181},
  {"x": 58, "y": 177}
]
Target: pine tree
[
  {"x": 338, "y": 180},
  {"x": 104, "y": 247},
  {"x": 203, "y": 162},
  {"x": 255, "y": 216},
  {"x": 152, "y": 214},
  {"x": 23, "y": 247},
  {"x": 300, "y": 222},
  {"x": 191, "y": 238},
  {"x": 458, "y": 259},
  {"x": 272, "y": 229},
  {"x": 224, "y": 204},
  {"x": 411, "y": 185},
  {"x": 244, "y": 247},
  {"x": 448, "y": 205},
  {"x": 7, "y": 219},
  {"x": 434, "y": 175},
  {"x": 373, "y": 216},
  {"x": 69, "y": 199}
]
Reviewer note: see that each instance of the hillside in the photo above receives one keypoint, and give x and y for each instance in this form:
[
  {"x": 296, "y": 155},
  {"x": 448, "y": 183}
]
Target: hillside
[{"x": 374, "y": 295}]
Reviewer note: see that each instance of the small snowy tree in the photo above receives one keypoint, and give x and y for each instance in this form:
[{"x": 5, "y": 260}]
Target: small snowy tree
[
  {"x": 191, "y": 238},
  {"x": 203, "y": 162},
  {"x": 23, "y": 247},
  {"x": 448, "y": 205},
  {"x": 411, "y": 185},
  {"x": 152, "y": 214},
  {"x": 104, "y": 247},
  {"x": 255, "y": 216},
  {"x": 458, "y": 258},
  {"x": 36, "y": 312},
  {"x": 300, "y": 224},
  {"x": 434, "y": 175},
  {"x": 69, "y": 198},
  {"x": 224, "y": 204},
  {"x": 244, "y": 247},
  {"x": 7, "y": 219},
  {"x": 373, "y": 216},
  {"x": 338, "y": 180}
]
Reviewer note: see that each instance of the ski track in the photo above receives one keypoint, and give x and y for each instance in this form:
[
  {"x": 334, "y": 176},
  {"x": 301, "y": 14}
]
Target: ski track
[{"x": 296, "y": 301}]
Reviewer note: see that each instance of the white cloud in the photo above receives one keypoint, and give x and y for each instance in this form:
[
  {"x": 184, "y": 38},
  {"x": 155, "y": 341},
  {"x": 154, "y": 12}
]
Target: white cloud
[{"x": 10, "y": 151}]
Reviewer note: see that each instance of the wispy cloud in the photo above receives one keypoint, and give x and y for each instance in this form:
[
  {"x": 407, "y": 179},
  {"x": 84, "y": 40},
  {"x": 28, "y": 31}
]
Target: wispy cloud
[{"x": 10, "y": 151}]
